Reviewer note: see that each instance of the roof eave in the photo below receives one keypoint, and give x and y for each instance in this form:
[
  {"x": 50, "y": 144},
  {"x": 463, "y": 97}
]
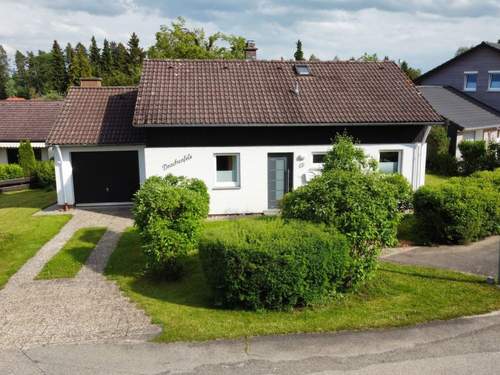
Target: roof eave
[{"x": 340, "y": 124}]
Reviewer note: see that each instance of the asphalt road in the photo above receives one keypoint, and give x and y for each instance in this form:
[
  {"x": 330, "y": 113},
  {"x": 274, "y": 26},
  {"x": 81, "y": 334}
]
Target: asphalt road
[
  {"x": 461, "y": 346},
  {"x": 480, "y": 257}
]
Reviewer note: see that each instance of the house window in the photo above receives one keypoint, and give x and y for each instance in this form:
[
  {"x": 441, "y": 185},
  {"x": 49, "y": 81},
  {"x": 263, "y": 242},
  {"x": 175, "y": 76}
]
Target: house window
[
  {"x": 318, "y": 158},
  {"x": 470, "y": 81},
  {"x": 469, "y": 136},
  {"x": 228, "y": 174},
  {"x": 494, "y": 81},
  {"x": 389, "y": 161},
  {"x": 302, "y": 70}
]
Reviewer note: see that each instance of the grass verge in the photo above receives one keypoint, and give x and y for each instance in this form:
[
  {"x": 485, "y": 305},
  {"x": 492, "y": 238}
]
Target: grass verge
[
  {"x": 397, "y": 295},
  {"x": 21, "y": 234},
  {"x": 70, "y": 259}
]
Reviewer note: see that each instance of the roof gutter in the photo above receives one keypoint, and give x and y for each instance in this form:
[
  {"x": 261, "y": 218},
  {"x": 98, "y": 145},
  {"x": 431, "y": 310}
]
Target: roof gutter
[{"x": 427, "y": 123}]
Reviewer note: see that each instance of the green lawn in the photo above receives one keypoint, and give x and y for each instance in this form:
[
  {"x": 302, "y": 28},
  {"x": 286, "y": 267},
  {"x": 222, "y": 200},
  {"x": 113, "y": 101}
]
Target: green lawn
[
  {"x": 70, "y": 259},
  {"x": 21, "y": 234},
  {"x": 397, "y": 295},
  {"x": 435, "y": 180}
]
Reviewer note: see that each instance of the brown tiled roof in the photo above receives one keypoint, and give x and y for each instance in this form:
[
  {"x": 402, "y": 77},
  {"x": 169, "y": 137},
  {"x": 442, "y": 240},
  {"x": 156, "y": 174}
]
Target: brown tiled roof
[
  {"x": 27, "y": 119},
  {"x": 95, "y": 116},
  {"x": 221, "y": 92}
]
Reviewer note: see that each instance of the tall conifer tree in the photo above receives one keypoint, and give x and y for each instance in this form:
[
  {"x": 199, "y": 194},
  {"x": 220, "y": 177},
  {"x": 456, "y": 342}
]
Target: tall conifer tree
[{"x": 59, "y": 76}]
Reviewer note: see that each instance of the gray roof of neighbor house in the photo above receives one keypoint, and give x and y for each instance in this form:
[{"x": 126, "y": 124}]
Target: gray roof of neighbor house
[
  {"x": 459, "y": 108},
  {"x": 27, "y": 119},
  {"x": 232, "y": 92},
  {"x": 97, "y": 116}
]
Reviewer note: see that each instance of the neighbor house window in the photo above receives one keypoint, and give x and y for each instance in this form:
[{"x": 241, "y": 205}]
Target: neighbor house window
[
  {"x": 228, "y": 173},
  {"x": 319, "y": 158},
  {"x": 470, "y": 81},
  {"x": 494, "y": 81},
  {"x": 390, "y": 161},
  {"x": 469, "y": 136}
]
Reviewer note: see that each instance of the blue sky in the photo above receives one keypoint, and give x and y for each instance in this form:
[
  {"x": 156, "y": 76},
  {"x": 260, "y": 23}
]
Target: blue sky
[{"x": 423, "y": 32}]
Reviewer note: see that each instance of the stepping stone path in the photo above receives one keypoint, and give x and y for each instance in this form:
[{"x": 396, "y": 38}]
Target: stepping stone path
[{"x": 87, "y": 308}]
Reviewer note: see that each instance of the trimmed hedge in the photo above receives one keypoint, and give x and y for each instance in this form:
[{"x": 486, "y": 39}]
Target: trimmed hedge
[
  {"x": 168, "y": 212},
  {"x": 461, "y": 210},
  {"x": 10, "y": 171},
  {"x": 270, "y": 264}
]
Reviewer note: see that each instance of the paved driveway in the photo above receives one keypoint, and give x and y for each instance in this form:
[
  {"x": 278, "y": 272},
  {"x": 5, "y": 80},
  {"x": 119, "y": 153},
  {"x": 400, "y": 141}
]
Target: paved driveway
[
  {"x": 87, "y": 308},
  {"x": 480, "y": 258}
]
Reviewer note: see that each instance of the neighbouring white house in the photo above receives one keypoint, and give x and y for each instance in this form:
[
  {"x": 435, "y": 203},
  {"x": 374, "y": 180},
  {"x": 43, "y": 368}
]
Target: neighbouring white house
[
  {"x": 251, "y": 130},
  {"x": 22, "y": 120}
]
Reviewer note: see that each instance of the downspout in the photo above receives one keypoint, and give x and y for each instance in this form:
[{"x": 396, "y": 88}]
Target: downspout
[{"x": 61, "y": 175}]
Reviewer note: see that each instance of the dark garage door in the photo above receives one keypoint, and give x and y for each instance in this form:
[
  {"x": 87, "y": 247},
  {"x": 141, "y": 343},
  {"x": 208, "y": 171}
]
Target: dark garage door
[{"x": 99, "y": 177}]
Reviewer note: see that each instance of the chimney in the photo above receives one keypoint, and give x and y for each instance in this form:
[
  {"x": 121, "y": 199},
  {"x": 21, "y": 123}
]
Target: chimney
[
  {"x": 250, "y": 51},
  {"x": 90, "y": 82}
]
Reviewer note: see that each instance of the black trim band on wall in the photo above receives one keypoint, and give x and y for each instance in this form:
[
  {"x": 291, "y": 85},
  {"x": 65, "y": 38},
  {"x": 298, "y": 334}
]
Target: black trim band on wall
[{"x": 278, "y": 135}]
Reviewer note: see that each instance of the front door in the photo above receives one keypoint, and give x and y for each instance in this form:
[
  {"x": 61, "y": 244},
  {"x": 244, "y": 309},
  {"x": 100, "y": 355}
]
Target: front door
[{"x": 279, "y": 177}]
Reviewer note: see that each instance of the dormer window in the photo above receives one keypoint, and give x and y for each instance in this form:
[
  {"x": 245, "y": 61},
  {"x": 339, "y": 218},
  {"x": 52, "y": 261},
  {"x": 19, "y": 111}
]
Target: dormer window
[
  {"x": 470, "y": 81},
  {"x": 494, "y": 80},
  {"x": 302, "y": 70}
]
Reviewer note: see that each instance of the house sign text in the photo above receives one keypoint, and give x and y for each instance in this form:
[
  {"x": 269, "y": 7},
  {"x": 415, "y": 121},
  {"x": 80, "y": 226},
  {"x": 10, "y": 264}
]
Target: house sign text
[{"x": 182, "y": 160}]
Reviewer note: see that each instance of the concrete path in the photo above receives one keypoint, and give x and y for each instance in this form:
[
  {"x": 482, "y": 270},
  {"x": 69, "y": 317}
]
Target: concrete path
[
  {"x": 462, "y": 346},
  {"x": 87, "y": 308},
  {"x": 480, "y": 257}
]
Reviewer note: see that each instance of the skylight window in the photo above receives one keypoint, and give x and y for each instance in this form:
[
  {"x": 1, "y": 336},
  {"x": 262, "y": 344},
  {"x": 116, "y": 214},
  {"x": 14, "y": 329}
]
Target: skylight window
[{"x": 302, "y": 70}]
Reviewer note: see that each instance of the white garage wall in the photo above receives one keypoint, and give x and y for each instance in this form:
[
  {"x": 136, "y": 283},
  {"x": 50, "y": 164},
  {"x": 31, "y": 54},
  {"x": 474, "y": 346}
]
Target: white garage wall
[
  {"x": 64, "y": 171},
  {"x": 251, "y": 196}
]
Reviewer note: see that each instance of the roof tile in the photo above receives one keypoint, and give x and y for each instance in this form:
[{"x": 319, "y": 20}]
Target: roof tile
[
  {"x": 97, "y": 116},
  {"x": 27, "y": 119}
]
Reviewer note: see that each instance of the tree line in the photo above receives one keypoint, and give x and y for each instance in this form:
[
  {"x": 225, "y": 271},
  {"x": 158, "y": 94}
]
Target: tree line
[{"x": 50, "y": 74}]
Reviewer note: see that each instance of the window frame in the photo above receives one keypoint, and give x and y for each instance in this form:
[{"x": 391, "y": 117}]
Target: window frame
[
  {"x": 466, "y": 74},
  {"x": 400, "y": 159},
  {"x": 318, "y": 153},
  {"x": 490, "y": 73},
  {"x": 228, "y": 185}
]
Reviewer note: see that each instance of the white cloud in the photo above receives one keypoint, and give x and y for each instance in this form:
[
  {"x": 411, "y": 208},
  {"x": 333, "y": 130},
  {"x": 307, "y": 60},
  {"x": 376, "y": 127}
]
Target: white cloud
[{"x": 423, "y": 32}]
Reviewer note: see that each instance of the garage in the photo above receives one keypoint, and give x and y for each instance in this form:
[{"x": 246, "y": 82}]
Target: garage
[{"x": 105, "y": 177}]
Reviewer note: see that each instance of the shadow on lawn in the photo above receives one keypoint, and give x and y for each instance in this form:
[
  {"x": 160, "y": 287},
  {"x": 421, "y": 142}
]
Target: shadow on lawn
[
  {"x": 35, "y": 199},
  {"x": 429, "y": 273},
  {"x": 191, "y": 290}
]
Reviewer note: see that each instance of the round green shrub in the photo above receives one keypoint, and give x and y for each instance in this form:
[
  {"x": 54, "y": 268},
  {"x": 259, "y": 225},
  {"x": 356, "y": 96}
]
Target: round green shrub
[
  {"x": 363, "y": 206},
  {"x": 168, "y": 212},
  {"x": 10, "y": 171},
  {"x": 270, "y": 264}
]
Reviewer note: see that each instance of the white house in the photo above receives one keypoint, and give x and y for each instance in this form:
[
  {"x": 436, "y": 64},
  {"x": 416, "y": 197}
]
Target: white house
[
  {"x": 22, "y": 120},
  {"x": 252, "y": 130}
]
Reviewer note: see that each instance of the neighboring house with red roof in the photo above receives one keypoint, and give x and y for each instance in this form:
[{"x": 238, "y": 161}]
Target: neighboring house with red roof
[
  {"x": 251, "y": 130},
  {"x": 26, "y": 120}
]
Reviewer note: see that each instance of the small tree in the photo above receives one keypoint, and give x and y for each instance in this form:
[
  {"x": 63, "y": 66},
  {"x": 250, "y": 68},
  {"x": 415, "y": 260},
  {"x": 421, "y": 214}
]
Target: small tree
[
  {"x": 344, "y": 155},
  {"x": 299, "y": 54},
  {"x": 27, "y": 159}
]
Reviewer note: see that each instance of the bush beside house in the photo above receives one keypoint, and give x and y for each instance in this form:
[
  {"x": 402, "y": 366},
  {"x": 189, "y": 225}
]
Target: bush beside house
[
  {"x": 27, "y": 159},
  {"x": 270, "y": 264},
  {"x": 44, "y": 174},
  {"x": 359, "y": 202},
  {"x": 461, "y": 210},
  {"x": 168, "y": 212}
]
